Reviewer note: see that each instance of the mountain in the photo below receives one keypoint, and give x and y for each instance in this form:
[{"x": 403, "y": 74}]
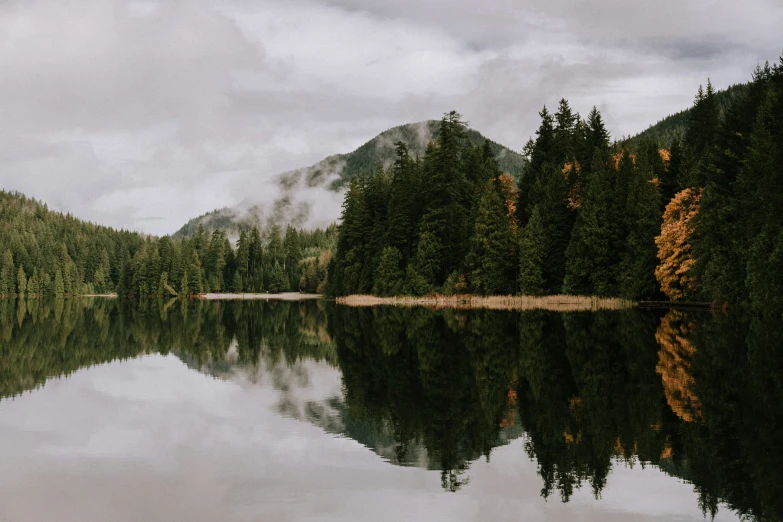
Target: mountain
[
  {"x": 673, "y": 126},
  {"x": 313, "y": 195}
]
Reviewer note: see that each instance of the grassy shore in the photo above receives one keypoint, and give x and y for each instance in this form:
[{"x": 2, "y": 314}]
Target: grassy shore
[{"x": 555, "y": 303}]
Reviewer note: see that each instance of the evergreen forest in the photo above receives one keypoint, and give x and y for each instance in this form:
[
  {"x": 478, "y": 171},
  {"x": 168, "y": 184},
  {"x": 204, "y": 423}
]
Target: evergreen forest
[
  {"x": 47, "y": 253},
  {"x": 699, "y": 219},
  {"x": 691, "y": 215}
]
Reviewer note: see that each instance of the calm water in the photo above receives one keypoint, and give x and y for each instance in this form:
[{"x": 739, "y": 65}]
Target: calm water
[{"x": 254, "y": 411}]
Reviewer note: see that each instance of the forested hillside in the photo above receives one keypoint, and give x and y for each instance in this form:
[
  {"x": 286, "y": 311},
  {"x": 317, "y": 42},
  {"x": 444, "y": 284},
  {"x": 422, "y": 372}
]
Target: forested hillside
[
  {"x": 701, "y": 219},
  {"x": 674, "y": 126},
  {"x": 334, "y": 174},
  {"x": 50, "y": 253},
  {"x": 45, "y": 252}
]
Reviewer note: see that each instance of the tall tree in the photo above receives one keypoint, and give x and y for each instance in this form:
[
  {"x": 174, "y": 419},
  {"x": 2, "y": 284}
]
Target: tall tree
[
  {"x": 532, "y": 250},
  {"x": 490, "y": 259}
]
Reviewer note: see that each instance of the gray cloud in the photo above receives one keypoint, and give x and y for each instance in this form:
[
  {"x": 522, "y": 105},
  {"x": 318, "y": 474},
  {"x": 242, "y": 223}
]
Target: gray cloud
[{"x": 142, "y": 114}]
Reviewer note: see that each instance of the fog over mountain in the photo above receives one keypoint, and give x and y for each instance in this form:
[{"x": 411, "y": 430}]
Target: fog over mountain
[
  {"x": 144, "y": 113},
  {"x": 312, "y": 196}
]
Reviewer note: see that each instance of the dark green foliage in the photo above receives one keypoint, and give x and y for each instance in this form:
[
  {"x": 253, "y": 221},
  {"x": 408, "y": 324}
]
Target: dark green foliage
[
  {"x": 643, "y": 220},
  {"x": 389, "y": 274},
  {"x": 40, "y": 244},
  {"x": 7, "y": 275},
  {"x": 55, "y": 254},
  {"x": 426, "y": 209},
  {"x": 598, "y": 207},
  {"x": 737, "y": 229},
  {"x": 673, "y": 128},
  {"x": 532, "y": 250},
  {"x": 490, "y": 261},
  {"x": 381, "y": 150},
  {"x": 594, "y": 243}
]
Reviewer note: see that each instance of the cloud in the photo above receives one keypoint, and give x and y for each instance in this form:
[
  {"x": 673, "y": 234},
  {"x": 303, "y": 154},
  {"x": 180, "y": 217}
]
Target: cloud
[{"x": 124, "y": 111}]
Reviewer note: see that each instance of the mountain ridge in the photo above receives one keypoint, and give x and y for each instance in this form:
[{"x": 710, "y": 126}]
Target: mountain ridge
[{"x": 323, "y": 182}]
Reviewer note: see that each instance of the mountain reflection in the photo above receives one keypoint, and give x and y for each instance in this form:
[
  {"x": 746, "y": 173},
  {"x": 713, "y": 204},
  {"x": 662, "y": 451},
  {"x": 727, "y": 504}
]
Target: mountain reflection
[{"x": 699, "y": 396}]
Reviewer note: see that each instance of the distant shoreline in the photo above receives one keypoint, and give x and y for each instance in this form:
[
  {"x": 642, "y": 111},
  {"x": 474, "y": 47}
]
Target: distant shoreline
[
  {"x": 285, "y": 296},
  {"x": 556, "y": 303}
]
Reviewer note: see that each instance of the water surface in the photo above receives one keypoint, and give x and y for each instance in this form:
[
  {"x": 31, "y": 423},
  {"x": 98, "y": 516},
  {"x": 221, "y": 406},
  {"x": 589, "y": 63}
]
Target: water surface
[{"x": 310, "y": 411}]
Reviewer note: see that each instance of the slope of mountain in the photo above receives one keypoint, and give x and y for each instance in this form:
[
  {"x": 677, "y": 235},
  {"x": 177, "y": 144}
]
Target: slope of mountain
[
  {"x": 673, "y": 126},
  {"x": 312, "y": 195}
]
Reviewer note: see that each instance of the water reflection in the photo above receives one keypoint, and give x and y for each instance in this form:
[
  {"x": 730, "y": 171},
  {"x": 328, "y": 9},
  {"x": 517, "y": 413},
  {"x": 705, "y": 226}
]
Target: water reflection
[{"x": 698, "y": 396}]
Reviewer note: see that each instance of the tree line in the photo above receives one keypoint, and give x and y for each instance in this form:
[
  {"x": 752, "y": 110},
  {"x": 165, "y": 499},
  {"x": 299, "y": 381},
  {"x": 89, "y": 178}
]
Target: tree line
[
  {"x": 701, "y": 219},
  {"x": 47, "y": 253}
]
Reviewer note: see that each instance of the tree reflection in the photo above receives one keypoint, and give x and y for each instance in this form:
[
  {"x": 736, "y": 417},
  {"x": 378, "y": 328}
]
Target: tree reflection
[{"x": 699, "y": 396}]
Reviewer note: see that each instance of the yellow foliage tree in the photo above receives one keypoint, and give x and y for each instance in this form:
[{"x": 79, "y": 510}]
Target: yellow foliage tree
[{"x": 674, "y": 248}]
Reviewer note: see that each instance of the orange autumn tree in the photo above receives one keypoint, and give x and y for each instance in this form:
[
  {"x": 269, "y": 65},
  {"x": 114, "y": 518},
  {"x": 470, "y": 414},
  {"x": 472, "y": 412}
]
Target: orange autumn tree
[{"x": 674, "y": 245}]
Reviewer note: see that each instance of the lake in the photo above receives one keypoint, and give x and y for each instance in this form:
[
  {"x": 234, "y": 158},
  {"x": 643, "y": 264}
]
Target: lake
[{"x": 291, "y": 411}]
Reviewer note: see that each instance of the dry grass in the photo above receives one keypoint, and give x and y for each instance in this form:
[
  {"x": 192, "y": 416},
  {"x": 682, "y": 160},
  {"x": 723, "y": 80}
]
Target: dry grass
[{"x": 555, "y": 303}]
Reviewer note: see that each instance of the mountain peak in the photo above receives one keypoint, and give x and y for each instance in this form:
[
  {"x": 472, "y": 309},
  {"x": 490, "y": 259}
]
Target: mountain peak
[{"x": 312, "y": 196}]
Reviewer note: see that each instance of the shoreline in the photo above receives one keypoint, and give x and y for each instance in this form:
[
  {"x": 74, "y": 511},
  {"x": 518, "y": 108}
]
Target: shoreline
[
  {"x": 284, "y": 296},
  {"x": 555, "y": 303}
]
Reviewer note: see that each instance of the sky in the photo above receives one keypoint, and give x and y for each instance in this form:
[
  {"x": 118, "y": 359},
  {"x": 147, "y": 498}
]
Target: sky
[{"x": 144, "y": 114}]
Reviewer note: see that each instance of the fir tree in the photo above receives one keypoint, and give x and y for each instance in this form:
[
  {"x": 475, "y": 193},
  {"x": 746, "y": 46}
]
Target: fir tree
[
  {"x": 236, "y": 285},
  {"x": 389, "y": 274},
  {"x": 490, "y": 259},
  {"x": 243, "y": 259},
  {"x": 532, "y": 249},
  {"x": 59, "y": 284},
  {"x": 7, "y": 284},
  {"x": 590, "y": 251},
  {"x": 642, "y": 214},
  {"x": 21, "y": 281}
]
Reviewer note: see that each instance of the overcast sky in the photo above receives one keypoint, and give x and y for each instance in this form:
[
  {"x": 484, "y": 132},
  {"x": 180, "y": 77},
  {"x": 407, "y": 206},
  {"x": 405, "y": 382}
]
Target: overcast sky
[{"x": 144, "y": 114}]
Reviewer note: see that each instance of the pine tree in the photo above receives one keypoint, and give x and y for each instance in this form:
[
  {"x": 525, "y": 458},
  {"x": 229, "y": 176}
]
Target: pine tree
[
  {"x": 389, "y": 274},
  {"x": 759, "y": 190},
  {"x": 532, "y": 249},
  {"x": 21, "y": 281},
  {"x": 588, "y": 258},
  {"x": 7, "y": 284},
  {"x": 541, "y": 156},
  {"x": 353, "y": 237},
  {"x": 637, "y": 267},
  {"x": 404, "y": 205},
  {"x": 278, "y": 281},
  {"x": 236, "y": 285},
  {"x": 184, "y": 285},
  {"x": 243, "y": 259},
  {"x": 256, "y": 259},
  {"x": 596, "y": 138},
  {"x": 490, "y": 259},
  {"x": 216, "y": 261},
  {"x": 447, "y": 201},
  {"x": 557, "y": 219},
  {"x": 564, "y": 134},
  {"x": 59, "y": 284},
  {"x": 425, "y": 263},
  {"x": 33, "y": 284}
]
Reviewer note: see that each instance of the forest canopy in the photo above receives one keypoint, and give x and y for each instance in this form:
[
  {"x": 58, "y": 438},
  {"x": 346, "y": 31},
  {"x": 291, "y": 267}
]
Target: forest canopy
[
  {"x": 696, "y": 216},
  {"x": 50, "y": 253}
]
